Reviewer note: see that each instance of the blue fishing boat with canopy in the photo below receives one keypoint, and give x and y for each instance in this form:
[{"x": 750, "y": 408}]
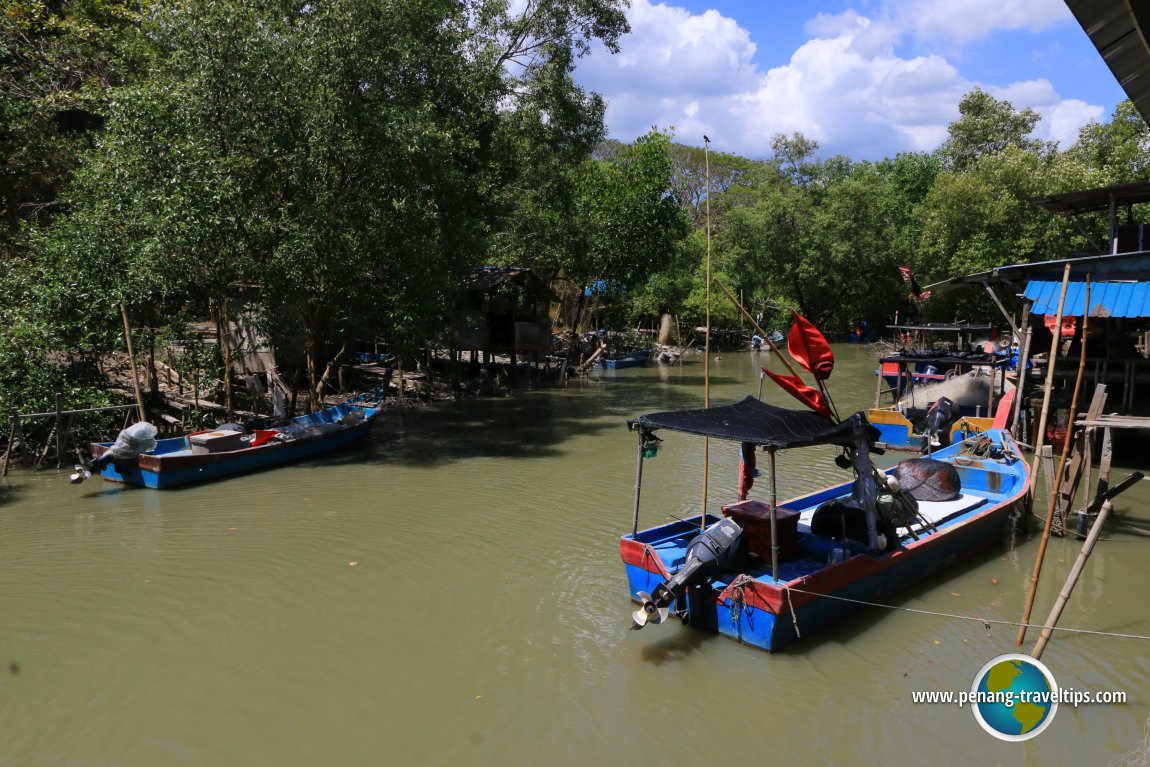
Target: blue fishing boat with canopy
[{"x": 766, "y": 573}]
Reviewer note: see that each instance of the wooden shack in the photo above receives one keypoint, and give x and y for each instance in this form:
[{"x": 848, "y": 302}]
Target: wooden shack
[{"x": 503, "y": 310}]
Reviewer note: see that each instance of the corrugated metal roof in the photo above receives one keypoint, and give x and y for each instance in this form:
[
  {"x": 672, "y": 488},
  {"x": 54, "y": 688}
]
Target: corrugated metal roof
[
  {"x": 1107, "y": 299},
  {"x": 1113, "y": 267},
  {"x": 1119, "y": 30}
]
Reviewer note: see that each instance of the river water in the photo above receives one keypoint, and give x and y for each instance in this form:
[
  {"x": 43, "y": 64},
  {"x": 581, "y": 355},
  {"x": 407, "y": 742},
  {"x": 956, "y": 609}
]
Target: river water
[{"x": 451, "y": 593}]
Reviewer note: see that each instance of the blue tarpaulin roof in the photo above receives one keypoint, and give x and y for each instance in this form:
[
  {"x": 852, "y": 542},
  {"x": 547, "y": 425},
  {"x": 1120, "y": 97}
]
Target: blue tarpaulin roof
[{"x": 1107, "y": 299}]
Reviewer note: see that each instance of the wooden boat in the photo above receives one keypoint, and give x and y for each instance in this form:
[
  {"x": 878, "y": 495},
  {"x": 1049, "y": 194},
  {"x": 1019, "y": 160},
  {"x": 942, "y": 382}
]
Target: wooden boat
[
  {"x": 210, "y": 455},
  {"x": 767, "y": 573},
  {"x": 974, "y": 384}
]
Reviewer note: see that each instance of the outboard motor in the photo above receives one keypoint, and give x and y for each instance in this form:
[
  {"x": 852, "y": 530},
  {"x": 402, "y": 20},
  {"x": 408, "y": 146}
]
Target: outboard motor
[
  {"x": 136, "y": 439},
  {"x": 711, "y": 551},
  {"x": 937, "y": 417}
]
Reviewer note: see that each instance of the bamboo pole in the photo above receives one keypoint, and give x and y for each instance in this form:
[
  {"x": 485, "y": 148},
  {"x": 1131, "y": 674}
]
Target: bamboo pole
[
  {"x": 1062, "y": 462},
  {"x": 766, "y": 337},
  {"x": 821, "y": 384},
  {"x": 1040, "y": 437},
  {"x": 132, "y": 361},
  {"x": 1071, "y": 581},
  {"x": 1080, "y": 563},
  {"x": 707, "y": 341}
]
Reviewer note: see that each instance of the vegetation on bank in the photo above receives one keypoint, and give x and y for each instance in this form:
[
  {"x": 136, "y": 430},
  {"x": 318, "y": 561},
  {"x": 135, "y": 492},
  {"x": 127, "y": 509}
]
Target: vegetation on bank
[{"x": 344, "y": 166}]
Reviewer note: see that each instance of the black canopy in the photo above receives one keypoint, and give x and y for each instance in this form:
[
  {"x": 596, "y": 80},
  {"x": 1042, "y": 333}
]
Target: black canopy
[{"x": 762, "y": 424}]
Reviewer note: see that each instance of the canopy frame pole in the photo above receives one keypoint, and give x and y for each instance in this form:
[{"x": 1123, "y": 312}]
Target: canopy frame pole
[
  {"x": 638, "y": 487},
  {"x": 774, "y": 517}
]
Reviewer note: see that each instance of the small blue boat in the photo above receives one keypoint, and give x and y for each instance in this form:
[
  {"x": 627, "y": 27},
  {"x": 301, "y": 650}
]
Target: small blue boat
[
  {"x": 211, "y": 455},
  {"x": 632, "y": 360},
  {"x": 767, "y": 573}
]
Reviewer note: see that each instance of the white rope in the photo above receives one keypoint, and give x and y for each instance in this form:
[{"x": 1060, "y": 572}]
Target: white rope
[{"x": 985, "y": 621}]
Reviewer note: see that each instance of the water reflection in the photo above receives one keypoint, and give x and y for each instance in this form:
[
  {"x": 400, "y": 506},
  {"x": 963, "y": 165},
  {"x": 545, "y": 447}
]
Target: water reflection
[{"x": 485, "y": 621}]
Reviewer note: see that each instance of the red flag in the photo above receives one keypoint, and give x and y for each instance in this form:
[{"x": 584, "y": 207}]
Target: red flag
[
  {"x": 803, "y": 393},
  {"x": 810, "y": 349}
]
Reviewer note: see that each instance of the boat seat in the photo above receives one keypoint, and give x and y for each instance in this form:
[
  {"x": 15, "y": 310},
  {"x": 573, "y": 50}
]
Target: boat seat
[
  {"x": 938, "y": 512},
  {"x": 935, "y": 511}
]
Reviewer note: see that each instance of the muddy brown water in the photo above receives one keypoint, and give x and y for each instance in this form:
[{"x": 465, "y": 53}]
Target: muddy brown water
[{"x": 451, "y": 593}]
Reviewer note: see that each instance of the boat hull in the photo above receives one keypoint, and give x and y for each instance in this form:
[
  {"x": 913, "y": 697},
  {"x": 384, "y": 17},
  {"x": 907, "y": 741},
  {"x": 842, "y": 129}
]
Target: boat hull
[{"x": 171, "y": 465}]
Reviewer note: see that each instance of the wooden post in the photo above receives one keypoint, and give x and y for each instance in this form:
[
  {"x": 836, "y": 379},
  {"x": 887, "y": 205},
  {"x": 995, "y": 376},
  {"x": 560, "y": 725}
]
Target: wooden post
[
  {"x": 1073, "y": 477},
  {"x": 14, "y": 426},
  {"x": 59, "y": 430},
  {"x": 132, "y": 360}
]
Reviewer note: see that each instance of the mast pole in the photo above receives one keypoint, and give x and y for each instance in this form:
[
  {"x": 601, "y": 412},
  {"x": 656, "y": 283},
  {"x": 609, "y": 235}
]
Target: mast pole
[{"x": 707, "y": 342}]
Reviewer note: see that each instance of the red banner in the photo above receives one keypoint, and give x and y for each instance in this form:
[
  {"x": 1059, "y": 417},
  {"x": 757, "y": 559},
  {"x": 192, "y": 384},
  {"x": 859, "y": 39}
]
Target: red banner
[
  {"x": 810, "y": 349},
  {"x": 810, "y": 397}
]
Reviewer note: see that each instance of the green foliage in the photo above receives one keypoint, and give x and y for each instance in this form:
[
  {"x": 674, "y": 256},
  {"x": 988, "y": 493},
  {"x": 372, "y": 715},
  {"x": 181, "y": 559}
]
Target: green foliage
[{"x": 346, "y": 165}]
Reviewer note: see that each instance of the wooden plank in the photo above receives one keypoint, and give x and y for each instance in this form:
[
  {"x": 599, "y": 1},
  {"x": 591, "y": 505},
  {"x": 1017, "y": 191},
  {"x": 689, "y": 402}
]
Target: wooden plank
[
  {"x": 1046, "y": 458},
  {"x": 1070, "y": 480}
]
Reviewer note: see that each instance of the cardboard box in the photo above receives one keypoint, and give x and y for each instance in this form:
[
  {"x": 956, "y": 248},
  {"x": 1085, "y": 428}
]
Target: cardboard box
[
  {"x": 216, "y": 441},
  {"x": 755, "y": 519}
]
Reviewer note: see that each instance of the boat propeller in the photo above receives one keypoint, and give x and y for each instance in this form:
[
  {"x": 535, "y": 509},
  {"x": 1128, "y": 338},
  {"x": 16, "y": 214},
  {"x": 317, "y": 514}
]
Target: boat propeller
[
  {"x": 79, "y": 475},
  {"x": 712, "y": 551},
  {"x": 649, "y": 612}
]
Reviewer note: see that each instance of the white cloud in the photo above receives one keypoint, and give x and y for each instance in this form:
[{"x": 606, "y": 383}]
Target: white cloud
[
  {"x": 957, "y": 22},
  {"x": 847, "y": 87}
]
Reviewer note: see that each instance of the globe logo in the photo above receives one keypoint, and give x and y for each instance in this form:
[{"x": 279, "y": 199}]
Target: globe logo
[{"x": 1014, "y": 697}]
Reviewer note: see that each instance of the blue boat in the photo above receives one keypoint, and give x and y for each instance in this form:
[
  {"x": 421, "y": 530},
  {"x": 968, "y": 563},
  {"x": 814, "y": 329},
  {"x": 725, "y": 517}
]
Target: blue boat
[
  {"x": 632, "y": 360},
  {"x": 974, "y": 384},
  {"x": 211, "y": 455},
  {"x": 767, "y": 573}
]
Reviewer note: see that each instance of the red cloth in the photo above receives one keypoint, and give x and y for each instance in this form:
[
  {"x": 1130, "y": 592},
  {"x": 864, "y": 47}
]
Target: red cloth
[
  {"x": 810, "y": 349},
  {"x": 803, "y": 393},
  {"x": 261, "y": 436},
  {"x": 746, "y": 470}
]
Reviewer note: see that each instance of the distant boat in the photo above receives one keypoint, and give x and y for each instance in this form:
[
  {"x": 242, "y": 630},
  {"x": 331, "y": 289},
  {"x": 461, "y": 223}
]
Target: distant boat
[
  {"x": 629, "y": 360},
  {"x": 211, "y": 455},
  {"x": 972, "y": 389},
  {"x": 766, "y": 576},
  {"x": 775, "y": 337}
]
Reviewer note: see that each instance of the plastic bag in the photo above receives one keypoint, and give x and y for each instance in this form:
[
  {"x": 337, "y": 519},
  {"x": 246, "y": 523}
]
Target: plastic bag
[{"x": 134, "y": 440}]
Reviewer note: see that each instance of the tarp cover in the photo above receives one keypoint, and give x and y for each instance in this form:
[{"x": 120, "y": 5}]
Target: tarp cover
[{"x": 762, "y": 424}]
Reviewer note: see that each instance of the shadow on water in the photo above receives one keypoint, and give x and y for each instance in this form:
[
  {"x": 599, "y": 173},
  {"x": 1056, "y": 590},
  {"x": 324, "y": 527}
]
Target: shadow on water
[
  {"x": 675, "y": 647},
  {"x": 10, "y": 493},
  {"x": 853, "y": 626},
  {"x": 523, "y": 426}
]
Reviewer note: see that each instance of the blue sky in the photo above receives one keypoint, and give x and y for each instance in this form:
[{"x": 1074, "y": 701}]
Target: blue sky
[{"x": 864, "y": 78}]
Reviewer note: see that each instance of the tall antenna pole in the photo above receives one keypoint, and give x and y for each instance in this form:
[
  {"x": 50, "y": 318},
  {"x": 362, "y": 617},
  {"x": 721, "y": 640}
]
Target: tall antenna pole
[{"x": 707, "y": 342}]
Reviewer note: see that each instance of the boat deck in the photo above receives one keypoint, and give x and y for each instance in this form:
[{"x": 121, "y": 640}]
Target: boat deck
[{"x": 814, "y": 551}]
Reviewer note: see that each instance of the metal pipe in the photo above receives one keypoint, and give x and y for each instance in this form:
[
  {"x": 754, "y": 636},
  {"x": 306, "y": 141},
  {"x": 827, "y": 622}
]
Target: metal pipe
[
  {"x": 774, "y": 518},
  {"x": 638, "y": 487}
]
